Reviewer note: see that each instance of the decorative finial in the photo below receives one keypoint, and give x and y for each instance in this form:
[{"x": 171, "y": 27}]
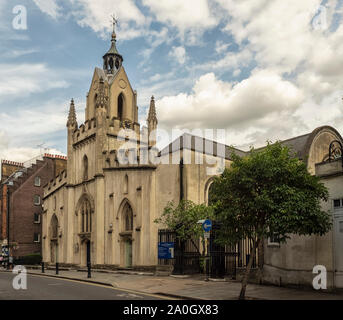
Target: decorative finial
[
  {"x": 114, "y": 21},
  {"x": 152, "y": 110},
  {"x": 72, "y": 114}
]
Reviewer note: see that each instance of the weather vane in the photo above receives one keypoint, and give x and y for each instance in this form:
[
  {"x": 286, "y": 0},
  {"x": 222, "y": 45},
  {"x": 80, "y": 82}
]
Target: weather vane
[{"x": 114, "y": 21}]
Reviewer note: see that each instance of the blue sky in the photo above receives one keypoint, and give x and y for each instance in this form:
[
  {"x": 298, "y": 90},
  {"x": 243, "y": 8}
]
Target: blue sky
[{"x": 262, "y": 70}]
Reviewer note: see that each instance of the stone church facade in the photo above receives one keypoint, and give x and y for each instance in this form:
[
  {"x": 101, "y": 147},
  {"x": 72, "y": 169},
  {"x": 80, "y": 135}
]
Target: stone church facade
[{"x": 101, "y": 210}]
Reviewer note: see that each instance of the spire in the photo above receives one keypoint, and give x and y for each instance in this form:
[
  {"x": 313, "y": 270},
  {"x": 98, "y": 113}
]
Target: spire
[
  {"x": 113, "y": 59},
  {"x": 152, "y": 111},
  {"x": 152, "y": 123},
  {"x": 72, "y": 115}
]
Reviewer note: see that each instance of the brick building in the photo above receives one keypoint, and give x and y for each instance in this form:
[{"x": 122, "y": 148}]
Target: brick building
[{"x": 22, "y": 188}]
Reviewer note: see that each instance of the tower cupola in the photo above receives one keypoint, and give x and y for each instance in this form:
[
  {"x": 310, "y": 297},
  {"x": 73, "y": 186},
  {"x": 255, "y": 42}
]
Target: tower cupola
[{"x": 113, "y": 60}]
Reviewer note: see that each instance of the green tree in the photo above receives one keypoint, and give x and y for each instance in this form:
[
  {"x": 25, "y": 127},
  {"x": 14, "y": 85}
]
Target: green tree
[
  {"x": 183, "y": 219},
  {"x": 268, "y": 193}
]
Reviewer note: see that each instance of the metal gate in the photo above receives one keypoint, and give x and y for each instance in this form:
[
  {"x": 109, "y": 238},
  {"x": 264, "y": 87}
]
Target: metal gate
[
  {"x": 186, "y": 253},
  {"x": 223, "y": 260}
]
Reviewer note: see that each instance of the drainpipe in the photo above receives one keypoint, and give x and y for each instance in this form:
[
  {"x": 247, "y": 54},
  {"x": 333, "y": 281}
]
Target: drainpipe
[
  {"x": 181, "y": 180},
  {"x": 8, "y": 224}
]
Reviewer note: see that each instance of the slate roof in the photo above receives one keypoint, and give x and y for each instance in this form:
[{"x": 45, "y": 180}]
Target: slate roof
[{"x": 300, "y": 144}]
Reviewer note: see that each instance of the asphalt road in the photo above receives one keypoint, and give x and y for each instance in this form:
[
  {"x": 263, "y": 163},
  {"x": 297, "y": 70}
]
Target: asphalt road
[{"x": 48, "y": 288}]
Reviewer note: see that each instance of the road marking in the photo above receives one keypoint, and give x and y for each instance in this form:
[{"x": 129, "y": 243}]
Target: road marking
[{"x": 108, "y": 287}]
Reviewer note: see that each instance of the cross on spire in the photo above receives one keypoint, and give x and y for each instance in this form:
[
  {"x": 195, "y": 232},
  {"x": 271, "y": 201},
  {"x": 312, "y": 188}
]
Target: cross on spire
[{"x": 114, "y": 21}]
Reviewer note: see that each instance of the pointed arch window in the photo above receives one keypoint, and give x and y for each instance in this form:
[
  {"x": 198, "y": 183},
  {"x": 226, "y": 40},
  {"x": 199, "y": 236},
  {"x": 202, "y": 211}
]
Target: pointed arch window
[
  {"x": 85, "y": 168},
  {"x": 209, "y": 192},
  {"x": 126, "y": 184},
  {"x": 54, "y": 227},
  {"x": 120, "y": 106},
  {"x": 86, "y": 216},
  {"x": 128, "y": 218},
  {"x": 111, "y": 63}
]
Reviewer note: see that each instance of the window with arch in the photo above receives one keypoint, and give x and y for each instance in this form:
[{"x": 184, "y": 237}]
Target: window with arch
[
  {"x": 128, "y": 217},
  {"x": 120, "y": 106},
  {"x": 86, "y": 216},
  {"x": 54, "y": 227},
  {"x": 111, "y": 63},
  {"x": 85, "y": 168},
  {"x": 210, "y": 194}
]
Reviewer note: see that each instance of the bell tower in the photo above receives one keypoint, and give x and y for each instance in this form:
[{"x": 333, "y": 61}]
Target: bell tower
[{"x": 112, "y": 59}]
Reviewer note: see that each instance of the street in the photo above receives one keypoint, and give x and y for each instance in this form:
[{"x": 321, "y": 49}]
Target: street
[{"x": 48, "y": 288}]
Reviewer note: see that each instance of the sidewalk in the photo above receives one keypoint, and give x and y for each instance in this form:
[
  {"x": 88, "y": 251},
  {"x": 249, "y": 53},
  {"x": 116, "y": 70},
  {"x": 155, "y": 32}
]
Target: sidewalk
[{"x": 190, "y": 287}]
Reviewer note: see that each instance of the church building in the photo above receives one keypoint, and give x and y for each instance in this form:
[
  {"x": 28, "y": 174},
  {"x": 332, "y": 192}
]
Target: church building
[{"x": 101, "y": 210}]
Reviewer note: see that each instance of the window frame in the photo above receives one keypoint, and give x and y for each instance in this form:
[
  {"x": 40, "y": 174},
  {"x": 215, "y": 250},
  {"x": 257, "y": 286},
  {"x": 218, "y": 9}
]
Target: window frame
[
  {"x": 34, "y": 218},
  {"x": 340, "y": 207},
  {"x": 38, "y": 236},
  {"x": 39, "y": 199},
  {"x": 39, "y": 183},
  {"x": 272, "y": 242}
]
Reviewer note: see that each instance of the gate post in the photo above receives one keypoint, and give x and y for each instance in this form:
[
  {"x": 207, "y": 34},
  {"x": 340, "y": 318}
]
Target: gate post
[{"x": 89, "y": 270}]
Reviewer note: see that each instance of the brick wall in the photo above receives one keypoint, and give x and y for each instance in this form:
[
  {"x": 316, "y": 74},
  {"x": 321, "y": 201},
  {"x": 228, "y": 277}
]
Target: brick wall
[{"x": 22, "y": 207}]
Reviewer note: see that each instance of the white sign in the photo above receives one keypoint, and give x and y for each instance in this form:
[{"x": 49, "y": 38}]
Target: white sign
[{"x": 206, "y": 235}]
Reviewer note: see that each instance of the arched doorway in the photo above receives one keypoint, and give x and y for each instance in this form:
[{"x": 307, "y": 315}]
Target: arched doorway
[{"x": 126, "y": 235}]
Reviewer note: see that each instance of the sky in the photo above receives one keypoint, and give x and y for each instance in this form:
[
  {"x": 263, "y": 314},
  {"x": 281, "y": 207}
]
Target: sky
[{"x": 262, "y": 70}]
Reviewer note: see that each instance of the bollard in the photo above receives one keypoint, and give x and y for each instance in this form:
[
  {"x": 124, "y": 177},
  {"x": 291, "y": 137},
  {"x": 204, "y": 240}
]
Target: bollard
[
  {"x": 43, "y": 267},
  {"x": 207, "y": 269},
  {"x": 56, "y": 267},
  {"x": 89, "y": 270}
]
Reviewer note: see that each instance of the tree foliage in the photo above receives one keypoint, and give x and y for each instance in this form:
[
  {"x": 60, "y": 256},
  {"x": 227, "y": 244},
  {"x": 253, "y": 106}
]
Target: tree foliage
[
  {"x": 270, "y": 191},
  {"x": 266, "y": 193},
  {"x": 183, "y": 218}
]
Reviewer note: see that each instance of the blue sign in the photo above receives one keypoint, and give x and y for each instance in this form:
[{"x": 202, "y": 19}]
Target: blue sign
[
  {"x": 207, "y": 225},
  {"x": 166, "y": 250}
]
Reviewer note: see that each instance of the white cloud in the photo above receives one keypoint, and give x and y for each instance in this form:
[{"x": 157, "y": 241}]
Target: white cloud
[
  {"x": 25, "y": 79},
  {"x": 34, "y": 122},
  {"x": 178, "y": 54},
  {"x": 190, "y": 17},
  {"x": 221, "y": 46},
  {"x": 49, "y": 7},
  {"x": 232, "y": 60},
  {"x": 24, "y": 155},
  {"x": 97, "y": 15},
  {"x": 217, "y": 104}
]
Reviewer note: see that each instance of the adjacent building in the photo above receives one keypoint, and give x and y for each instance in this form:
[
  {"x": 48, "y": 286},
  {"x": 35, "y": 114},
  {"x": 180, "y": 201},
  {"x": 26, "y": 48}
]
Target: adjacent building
[{"x": 21, "y": 194}]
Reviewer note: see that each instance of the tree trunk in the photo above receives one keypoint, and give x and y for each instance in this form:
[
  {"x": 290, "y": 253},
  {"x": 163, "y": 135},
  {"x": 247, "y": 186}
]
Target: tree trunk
[{"x": 247, "y": 271}]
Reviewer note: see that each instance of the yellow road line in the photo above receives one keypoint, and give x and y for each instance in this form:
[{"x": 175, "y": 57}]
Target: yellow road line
[{"x": 105, "y": 286}]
